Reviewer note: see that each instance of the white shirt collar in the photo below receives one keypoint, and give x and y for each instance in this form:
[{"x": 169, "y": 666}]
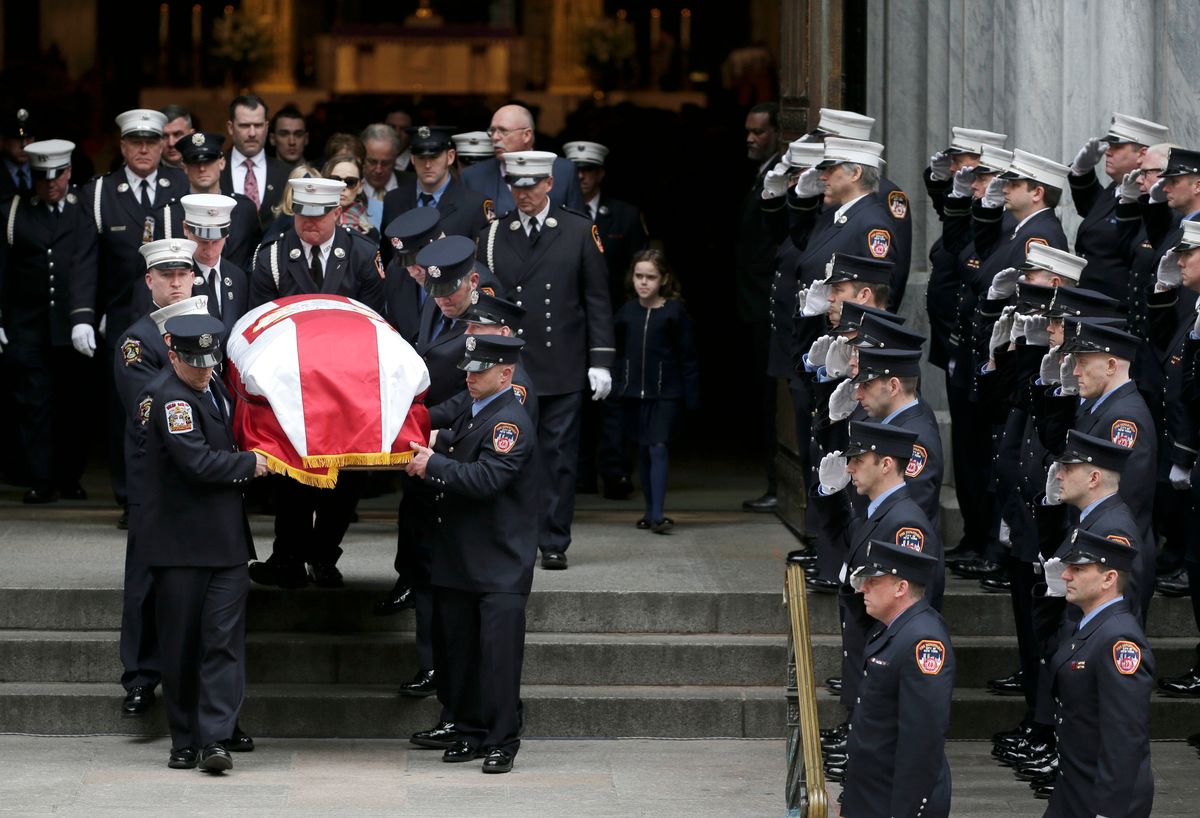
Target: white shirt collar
[
  {"x": 593, "y": 205},
  {"x": 541, "y": 217},
  {"x": 236, "y": 158},
  {"x": 135, "y": 181},
  {"x": 841, "y": 211},
  {"x": 376, "y": 192},
  {"x": 324, "y": 250}
]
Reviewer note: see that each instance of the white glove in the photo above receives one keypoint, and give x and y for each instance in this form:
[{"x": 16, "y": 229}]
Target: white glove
[
  {"x": 832, "y": 473},
  {"x": 1050, "y": 371},
  {"x": 600, "y": 382},
  {"x": 1158, "y": 192},
  {"x": 1180, "y": 477},
  {"x": 3, "y": 340},
  {"x": 1169, "y": 276},
  {"x": 837, "y": 357},
  {"x": 1089, "y": 156},
  {"x": 1055, "y": 584},
  {"x": 1004, "y": 284},
  {"x": 1129, "y": 190},
  {"x": 775, "y": 182},
  {"x": 939, "y": 167},
  {"x": 1066, "y": 375},
  {"x": 83, "y": 338},
  {"x": 816, "y": 300},
  {"x": 1005, "y": 535},
  {"x": 817, "y": 352},
  {"x": 962, "y": 182},
  {"x": 994, "y": 195},
  {"x": 1002, "y": 329},
  {"x": 1053, "y": 488},
  {"x": 809, "y": 184},
  {"x": 102, "y": 330},
  {"x": 1037, "y": 331},
  {"x": 842, "y": 402},
  {"x": 1018, "y": 327}
]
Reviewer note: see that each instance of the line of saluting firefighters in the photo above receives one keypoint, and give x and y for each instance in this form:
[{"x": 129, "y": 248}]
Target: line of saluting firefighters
[
  {"x": 1074, "y": 408},
  {"x": 152, "y": 264}
]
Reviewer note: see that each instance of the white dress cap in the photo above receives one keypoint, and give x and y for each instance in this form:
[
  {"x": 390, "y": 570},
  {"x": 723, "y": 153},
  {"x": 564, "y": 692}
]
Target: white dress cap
[
  {"x": 196, "y": 305},
  {"x": 1191, "y": 237},
  {"x": 994, "y": 160},
  {"x": 1125, "y": 128},
  {"x": 588, "y": 154},
  {"x": 851, "y": 150},
  {"x": 1059, "y": 262},
  {"x": 50, "y": 156},
  {"x": 168, "y": 253},
  {"x": 141, "y": 122},
  {"x": 207, "y": 215},
  {"x": 527, "y": 168},
  {"x": 1044, "y": 171},
  {"x": 473, "y": 143},
  {"x": 315, "y": 197},
  {"x": 970, "y": 140},
  {"x": 845, "y": 124},
  {"x": 802, "y": 154}
]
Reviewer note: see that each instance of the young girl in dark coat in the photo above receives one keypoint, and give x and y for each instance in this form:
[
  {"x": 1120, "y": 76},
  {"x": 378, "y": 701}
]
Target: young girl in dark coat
[{"x": 657, "y": 375}]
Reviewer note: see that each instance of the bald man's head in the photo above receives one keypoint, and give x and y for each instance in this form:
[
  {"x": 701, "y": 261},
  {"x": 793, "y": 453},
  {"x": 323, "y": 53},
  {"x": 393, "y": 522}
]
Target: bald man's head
[{"x": 511, "y": 129}]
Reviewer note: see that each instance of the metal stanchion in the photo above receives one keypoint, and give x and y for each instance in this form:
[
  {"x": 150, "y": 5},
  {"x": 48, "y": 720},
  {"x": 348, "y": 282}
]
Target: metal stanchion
[{"x": 805, "y": 773}]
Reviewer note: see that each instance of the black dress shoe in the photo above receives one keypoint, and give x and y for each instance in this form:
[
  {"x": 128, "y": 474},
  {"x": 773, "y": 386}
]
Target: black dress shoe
[
  {"x": 1008, "y": 686},
  {"x": 1022, "y": 730},
  {"x": 835, "y": 759},
  {"x": 615, "y": 488},
  {"x": 497, "y": 761},
  {"x": 399, "y": 598},
  {"x": 422, "y": 685},
  {"x": 1174, "y": 584},
  {"x": 762, "y": 505},
  {"x": 977, "y": 569},
  {"x": 137, "y": 701},
  {"x": 439, "y": 737},
  {"x": 662, "y": 526},
  {"x": 215, "y": 759},
  {"x": 123, "y": 520},
  {"x": 554, "y": 561},
  {"x": 1027, "y": 753},
  {"x": 1186, "y": 686},
  {"x": 805, "y": 558},
  {"x": 1044, "y": 791},
  {"x": 1046, "y": 768},
  {"x": 75, "y": 492},
  {"x": 239, "y": 742},
  {"x": 839, "y": 732},
  {"x": 834, "y": 683},
  {"x": 36, "y": 497},
  {"x": 995, "y": 585},
  {"x": 824, "y": 586},
  {"x": 325, "y": 575},
  {"x": 460, "y": 751},
  {"x": 183, "y": 758},
  {"x": 833, "y": 748},
  {"x": 835, "y": 774},
  {"x": 283, "y": 575}
]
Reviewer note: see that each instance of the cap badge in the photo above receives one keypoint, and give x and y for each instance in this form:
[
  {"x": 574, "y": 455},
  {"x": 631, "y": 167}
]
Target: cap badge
[
  {"x": 197, "y": 139},
  {"x": 22, "y": 115},
  {"x": 474, "y": 296},
  {"x": 212, "y": 211},
  {"x": 310, "y": 188},
  {"x": 295, "y": 254},
  {"x": 144, "y": 117},
  {"x": 205, "y": 341},
  {"x": 398, "y": 244},
  {"x": 470, "y": 343},
  {"x": 552, "y": 222},
  {"x": 433, "y": 271},
  {"x": 174, "y": 246},
  {"x": 423, "y": 132},
  {"x": 339, "y": 252}
]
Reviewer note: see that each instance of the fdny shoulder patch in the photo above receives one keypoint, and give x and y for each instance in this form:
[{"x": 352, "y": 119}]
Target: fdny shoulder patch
[
  {"x": 879, "y": 241},
  {"x": 143, "y": 413},
  {"x": 1124, "y": 433},
  {"x": 1127, "y": 657},
  {"x": 898, "y": 204},
  {"x": 489, "y": 210},
  {"x": 596, "y": 238},
  {"x": 1032, "y": 242},
  {"x": 519, "y": 391},
  {"x": 504, "y": 437},
  {"x": 179, "y": 417},
  {"x": 916, "y": 463},
  {"x": 911, "y": 538},
  {"x": 931, "y": 655},
  {"x": 131, "y": 351}
]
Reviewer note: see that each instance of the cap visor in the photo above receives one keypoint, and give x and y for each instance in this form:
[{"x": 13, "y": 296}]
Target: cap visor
[
  {"x": 479, "y": 318},
  {"x": 828, "y": 163},
  {"x": 201, "y": 361},
  {"x": 472, "y": 365},
  {"x": 1013, "y": 176},
  {"x": 523, "y": 181},
  {"x": 1080, "y": 558},
  {"x": 172, "y": 265},
  {"x": 150, "y": 134},
  {"x": 439, "y": 288},
  {"x": 196, "y": 159},
  {"x": 1185, "y": 247},
  {"x": 207, "y": 231},
  {"x": 299, "y": 209},
  {"x": 865, "y": 375},
  {"x": 1069, "y": 457}
]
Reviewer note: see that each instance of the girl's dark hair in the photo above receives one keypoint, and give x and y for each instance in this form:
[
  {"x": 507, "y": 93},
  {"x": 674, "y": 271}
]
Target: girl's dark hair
[{"x": 670, "y": 282}]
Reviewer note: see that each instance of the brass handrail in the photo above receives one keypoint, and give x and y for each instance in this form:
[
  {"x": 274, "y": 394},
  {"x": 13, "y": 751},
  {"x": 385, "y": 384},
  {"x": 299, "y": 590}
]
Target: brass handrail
[{"x": 805, "y": 771}]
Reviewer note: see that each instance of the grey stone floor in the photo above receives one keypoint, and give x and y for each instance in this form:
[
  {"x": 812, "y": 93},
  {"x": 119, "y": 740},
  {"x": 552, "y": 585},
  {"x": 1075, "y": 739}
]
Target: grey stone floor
[{"x": 102, "y": 776}]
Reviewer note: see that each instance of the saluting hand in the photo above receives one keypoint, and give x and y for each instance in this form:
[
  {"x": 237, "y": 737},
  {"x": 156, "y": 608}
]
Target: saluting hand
[
  {"x": 1089, "y": 156},
  {"x": 962, "y": 182},
  {"x": 939, "y": 167},
  {"x": 1130, "y": 191},
  {"x": 416, "y": 466}
]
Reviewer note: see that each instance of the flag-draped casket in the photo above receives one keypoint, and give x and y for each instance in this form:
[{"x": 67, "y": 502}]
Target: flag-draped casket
[{"x": 323, "y": 381}]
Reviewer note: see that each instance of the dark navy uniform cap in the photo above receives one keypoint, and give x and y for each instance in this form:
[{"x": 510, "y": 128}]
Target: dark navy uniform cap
[
  {"x": 430, "y": 140},
  {"x": 447, "y": 262},
  {"x": 1034, "y": 298},
  {"x": 1077, "y": 302},
  {"x": 1088, "y": 547},
  {"x": 488, "y": 309},
  {"x": 882, "y": 439},
  {"x": 485, "y": 351},
  {"x": 1097, "y": 335},
  {"x": 200, "y": 147},
  {"x": 196, "y": 339},
  {"x": 884, "y": 333},
  {"x": 859, "y": 268},
  {"x": 1096, "y": 451},
  {"x": 1181, "y": 162},
  {"x": 853, "y": 313},
  {"x": 887, "y": 363},
  {"x": 885, "y": 559},
  {"x": 412, "y": 230}
]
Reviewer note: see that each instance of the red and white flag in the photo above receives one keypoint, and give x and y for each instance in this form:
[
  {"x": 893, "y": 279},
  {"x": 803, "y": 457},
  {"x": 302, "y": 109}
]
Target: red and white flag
[{"x": 323, "y": 381}]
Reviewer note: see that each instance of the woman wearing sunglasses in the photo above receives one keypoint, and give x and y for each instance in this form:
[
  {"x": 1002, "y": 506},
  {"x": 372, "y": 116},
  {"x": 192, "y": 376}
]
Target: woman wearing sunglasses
[{"x": 359, "y": 212}]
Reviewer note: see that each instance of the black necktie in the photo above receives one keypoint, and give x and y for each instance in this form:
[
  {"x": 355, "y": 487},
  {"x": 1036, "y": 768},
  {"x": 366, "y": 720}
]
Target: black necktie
[
  {"x": 426, "y": 199},
  {"x": 23, "y": 184},
  {"x": 314, "y": 269},
  {"x": 146, "y": 203},
  {"x": 55, "y": 212},
  {"x": 533, "y": 231}
]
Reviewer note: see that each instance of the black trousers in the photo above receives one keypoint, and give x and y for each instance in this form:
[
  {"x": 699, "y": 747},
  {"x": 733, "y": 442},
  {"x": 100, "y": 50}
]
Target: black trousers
[
  {"x": 558, "y": 452},
  {"x": 311, "y": 522},
  {"x": 47, "y": 385},
  {"x": 139, "y": 636},
  {"x": 1022, "y": 578},
  {"x": 202, "y": 637},
  {"x": 479, "y": 647},
  {"x": 971, "y": 440},
  {"x": 603, "y": 451},
  {"x": 116, "y": 424},
  {"x": 413, "y": 560}
]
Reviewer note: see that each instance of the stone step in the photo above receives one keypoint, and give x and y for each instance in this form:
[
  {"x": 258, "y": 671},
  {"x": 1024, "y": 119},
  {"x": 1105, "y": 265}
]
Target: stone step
[{"x": 552, "y": 711}]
